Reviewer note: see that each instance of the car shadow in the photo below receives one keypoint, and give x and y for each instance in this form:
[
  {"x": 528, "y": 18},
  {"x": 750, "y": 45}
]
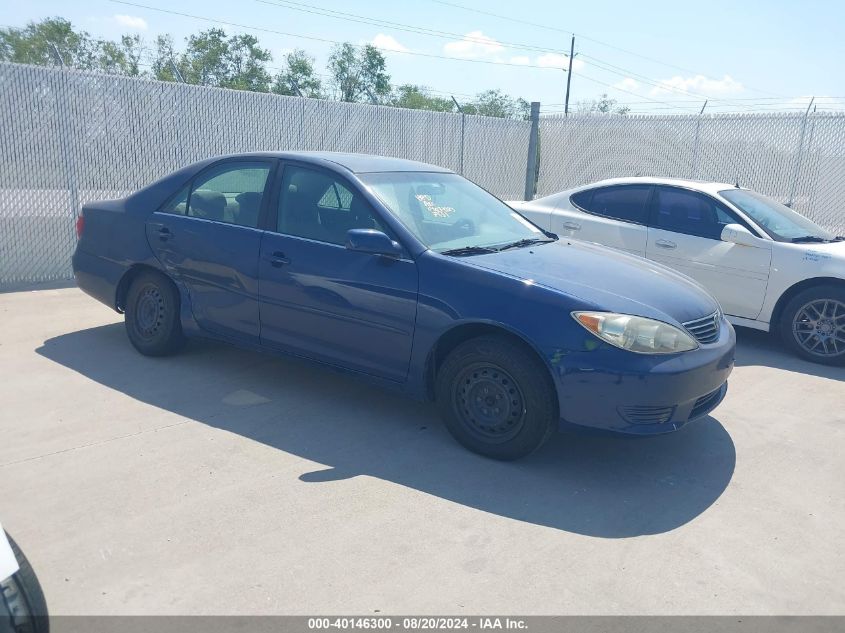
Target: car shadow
[
  {"x": 608, "y": 487},
  {"x": 756, "y": 348}
]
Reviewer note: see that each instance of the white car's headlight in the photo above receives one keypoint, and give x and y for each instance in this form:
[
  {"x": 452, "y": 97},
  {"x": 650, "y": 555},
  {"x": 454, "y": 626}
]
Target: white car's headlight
[{"x": 636, "y": 334}]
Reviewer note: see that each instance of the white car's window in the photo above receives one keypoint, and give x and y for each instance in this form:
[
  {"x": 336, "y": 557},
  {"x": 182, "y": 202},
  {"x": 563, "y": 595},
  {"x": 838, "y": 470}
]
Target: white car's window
[
  {"x": 779, "y": 221},
  {"x": 620, "y": 202},
  {"x": 689, "y": 212}
]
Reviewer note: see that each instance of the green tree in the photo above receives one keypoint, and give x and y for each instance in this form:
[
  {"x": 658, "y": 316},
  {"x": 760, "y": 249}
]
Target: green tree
[
  {"x": 418, "y": 98},
  {"x": 358, "y": 73},
  {"x": 496, "y": 103},
  {"x": 246, "y": 64},
  {"x": 205, "y": 60},
  {"x": 211, "y": 58},
  {"x": 299, "y": 73},
  {"x": 121, "y": 58},
  {"x": 34, "y": 44},
  {"x": 164, "y": 59},
  {"x": 602, "y": 105}
]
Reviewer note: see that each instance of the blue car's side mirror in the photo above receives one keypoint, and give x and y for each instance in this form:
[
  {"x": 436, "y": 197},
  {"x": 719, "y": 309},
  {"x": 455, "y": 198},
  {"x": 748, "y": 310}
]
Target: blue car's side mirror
[{"x": 372, "y": 241}]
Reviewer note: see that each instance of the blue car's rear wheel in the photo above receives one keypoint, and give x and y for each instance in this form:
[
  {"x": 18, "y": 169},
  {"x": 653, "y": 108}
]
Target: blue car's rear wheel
[
  {"x": 496, "y": 398},
  {"x": 152, "y": 315}
]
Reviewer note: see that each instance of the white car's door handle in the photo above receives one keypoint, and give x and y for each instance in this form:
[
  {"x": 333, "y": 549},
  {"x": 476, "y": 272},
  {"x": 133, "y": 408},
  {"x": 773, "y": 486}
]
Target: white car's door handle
[
  {"x": 572, "y": 226},
  {"x": 666, "y": 244}
]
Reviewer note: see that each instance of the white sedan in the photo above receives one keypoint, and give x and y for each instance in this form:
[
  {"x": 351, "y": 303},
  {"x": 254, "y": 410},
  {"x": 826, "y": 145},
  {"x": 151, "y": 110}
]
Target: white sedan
[{"x": 770, "y": 268}]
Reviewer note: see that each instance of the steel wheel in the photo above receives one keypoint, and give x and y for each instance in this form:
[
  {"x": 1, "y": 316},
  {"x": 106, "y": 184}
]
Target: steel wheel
[
  {"x": 152, "y": 315},
  {"x": 489, "y": 402},
  {"x": 819, "y": 327},
  {"x": 149, "y": 311}
]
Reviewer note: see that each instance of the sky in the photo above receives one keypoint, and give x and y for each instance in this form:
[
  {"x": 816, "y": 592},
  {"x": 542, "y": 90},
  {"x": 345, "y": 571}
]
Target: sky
[{"x": 664, "y": 57}]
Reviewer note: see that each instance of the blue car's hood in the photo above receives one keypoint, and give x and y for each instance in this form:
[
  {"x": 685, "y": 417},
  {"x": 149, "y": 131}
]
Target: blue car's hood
[{"x": 604, "y": 278}]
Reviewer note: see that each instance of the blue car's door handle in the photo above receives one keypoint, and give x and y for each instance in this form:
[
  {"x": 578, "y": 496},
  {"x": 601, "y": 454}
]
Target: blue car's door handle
[
  {"x": 164, "y": 234},
  {"x": 278, "y": 259}
]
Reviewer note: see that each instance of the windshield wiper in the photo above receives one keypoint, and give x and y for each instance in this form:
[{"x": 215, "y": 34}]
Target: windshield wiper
[
  {"x": 809, "y": 238},
  {"x": 526, "y": 242},
  {"x": 468, "y": 250}
]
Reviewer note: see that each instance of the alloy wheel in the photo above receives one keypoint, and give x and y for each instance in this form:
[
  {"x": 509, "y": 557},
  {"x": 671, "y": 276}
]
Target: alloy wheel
[{"x": 819, "y": 327}]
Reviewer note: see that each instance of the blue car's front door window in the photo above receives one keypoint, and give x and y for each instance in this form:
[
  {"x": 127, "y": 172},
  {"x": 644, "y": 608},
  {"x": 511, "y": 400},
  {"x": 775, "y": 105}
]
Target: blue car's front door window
[
  {"x": 322, "y": 300},
  {"x": 314, "y": 205}
]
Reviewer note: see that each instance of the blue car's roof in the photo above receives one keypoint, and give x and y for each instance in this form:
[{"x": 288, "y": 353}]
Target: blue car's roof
[{"x": 356, "y": 163}]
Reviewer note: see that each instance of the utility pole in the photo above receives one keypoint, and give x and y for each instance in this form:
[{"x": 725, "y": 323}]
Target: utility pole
[{"x": 569, "y": 75}]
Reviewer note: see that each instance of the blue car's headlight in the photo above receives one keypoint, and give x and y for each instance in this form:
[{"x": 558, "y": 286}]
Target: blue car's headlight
[{"x": 636, "y": 334}]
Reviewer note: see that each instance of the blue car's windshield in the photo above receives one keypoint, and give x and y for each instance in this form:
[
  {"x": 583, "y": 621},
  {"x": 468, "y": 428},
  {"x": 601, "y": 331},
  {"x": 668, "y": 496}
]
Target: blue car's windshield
[
  {"x": 779, "y": 221},
  {"x": 449, "y": 214}
]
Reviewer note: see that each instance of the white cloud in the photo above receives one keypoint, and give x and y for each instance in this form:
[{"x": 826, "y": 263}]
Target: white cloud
[
  {"x": 131, "y": 22},
  {"x": 522, "y": 60},
  {"x": 627, "y": 84},
  {"x": 699, "y": 84},
  {"x": 388, "y": 42},
  {"x": 558, "y": 60},
  {"x": 473, "y": 44}
]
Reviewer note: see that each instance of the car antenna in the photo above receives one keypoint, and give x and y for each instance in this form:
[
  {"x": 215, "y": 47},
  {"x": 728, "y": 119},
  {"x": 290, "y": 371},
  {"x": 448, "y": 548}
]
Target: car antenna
[{"x": 737, "y": 184}]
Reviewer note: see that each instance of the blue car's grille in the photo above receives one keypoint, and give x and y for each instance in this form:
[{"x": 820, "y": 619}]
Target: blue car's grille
[
  {"x": 704, "y": 330},
  {"x": 647, "y": 415}
]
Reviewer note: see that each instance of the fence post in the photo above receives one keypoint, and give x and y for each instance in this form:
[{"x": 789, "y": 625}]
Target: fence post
[
  {"x": 695, "y": 143},
  {"x": 800, "y": 153},
  {"x": 66, "y": 141},
  {"x": 531, "y": 165},
  {"x": 463, "y": 123}
]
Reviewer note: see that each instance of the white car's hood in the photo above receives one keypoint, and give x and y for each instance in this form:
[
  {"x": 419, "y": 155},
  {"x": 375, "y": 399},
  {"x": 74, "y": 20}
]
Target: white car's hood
[
  {"x": 823, "y": 251},
  {"x": 8, "y": 564}
]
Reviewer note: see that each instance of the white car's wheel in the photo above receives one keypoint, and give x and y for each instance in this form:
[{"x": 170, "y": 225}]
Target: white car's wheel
[{"x": 813, "y": 324}]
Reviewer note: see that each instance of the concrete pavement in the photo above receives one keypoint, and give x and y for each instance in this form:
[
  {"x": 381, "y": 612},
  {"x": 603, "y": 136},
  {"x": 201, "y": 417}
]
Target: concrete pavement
[{"x": 222, "y": 481}]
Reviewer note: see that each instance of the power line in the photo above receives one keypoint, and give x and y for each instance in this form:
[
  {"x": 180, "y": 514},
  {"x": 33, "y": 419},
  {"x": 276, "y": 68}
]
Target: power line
[
  {"x": 353, "y": 17},
  {"x": 326, "y": 40},
  {"x": 419, "y": 30},
  {"x": 583, "y": 76},
  {"x": 585, "y": 37}
]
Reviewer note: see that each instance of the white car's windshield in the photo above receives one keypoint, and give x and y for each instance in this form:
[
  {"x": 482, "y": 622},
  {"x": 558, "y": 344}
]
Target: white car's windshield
[
  {"x": 451, "y": 215},
  {"x": 778, "y": 220}
]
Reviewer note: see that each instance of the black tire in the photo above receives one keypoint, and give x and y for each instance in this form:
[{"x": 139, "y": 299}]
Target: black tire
[
  {"x": 152, "y": 315},
  {"x": 496, "y": 398},
  {"x": 22, "y": 605},
  {"x": 812, "y": 324}
]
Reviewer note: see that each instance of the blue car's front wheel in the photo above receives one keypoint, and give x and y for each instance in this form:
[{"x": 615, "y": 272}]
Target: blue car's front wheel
[{"x": 496, "y": 397}]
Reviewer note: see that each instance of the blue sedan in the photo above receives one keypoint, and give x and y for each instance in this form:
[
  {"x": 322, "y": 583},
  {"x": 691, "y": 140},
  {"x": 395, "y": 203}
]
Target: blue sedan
[{"x": 413, "y": 277}]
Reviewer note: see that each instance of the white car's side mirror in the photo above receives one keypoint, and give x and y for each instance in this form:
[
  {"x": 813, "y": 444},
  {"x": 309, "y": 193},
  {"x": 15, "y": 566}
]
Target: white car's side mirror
[{"x": 738, "y": 234}]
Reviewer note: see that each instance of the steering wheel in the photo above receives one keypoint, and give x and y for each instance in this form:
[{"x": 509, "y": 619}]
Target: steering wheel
[{"x": 466, "y": 227}]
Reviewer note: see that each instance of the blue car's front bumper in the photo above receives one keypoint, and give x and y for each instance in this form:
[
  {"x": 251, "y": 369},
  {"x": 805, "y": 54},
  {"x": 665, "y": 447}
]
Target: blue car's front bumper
[{"x": 639, "y": 394}]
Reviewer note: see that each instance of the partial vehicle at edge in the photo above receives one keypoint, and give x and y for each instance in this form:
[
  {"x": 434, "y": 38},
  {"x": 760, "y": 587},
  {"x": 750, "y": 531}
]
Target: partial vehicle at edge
[{"x": 22, "y": 604}]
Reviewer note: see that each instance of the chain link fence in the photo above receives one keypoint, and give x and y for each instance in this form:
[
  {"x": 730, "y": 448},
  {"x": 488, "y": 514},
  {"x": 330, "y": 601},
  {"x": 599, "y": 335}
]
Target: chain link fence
[
  {"x": 796, "y": 158},
  {"x": 69, "y": 137}
]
